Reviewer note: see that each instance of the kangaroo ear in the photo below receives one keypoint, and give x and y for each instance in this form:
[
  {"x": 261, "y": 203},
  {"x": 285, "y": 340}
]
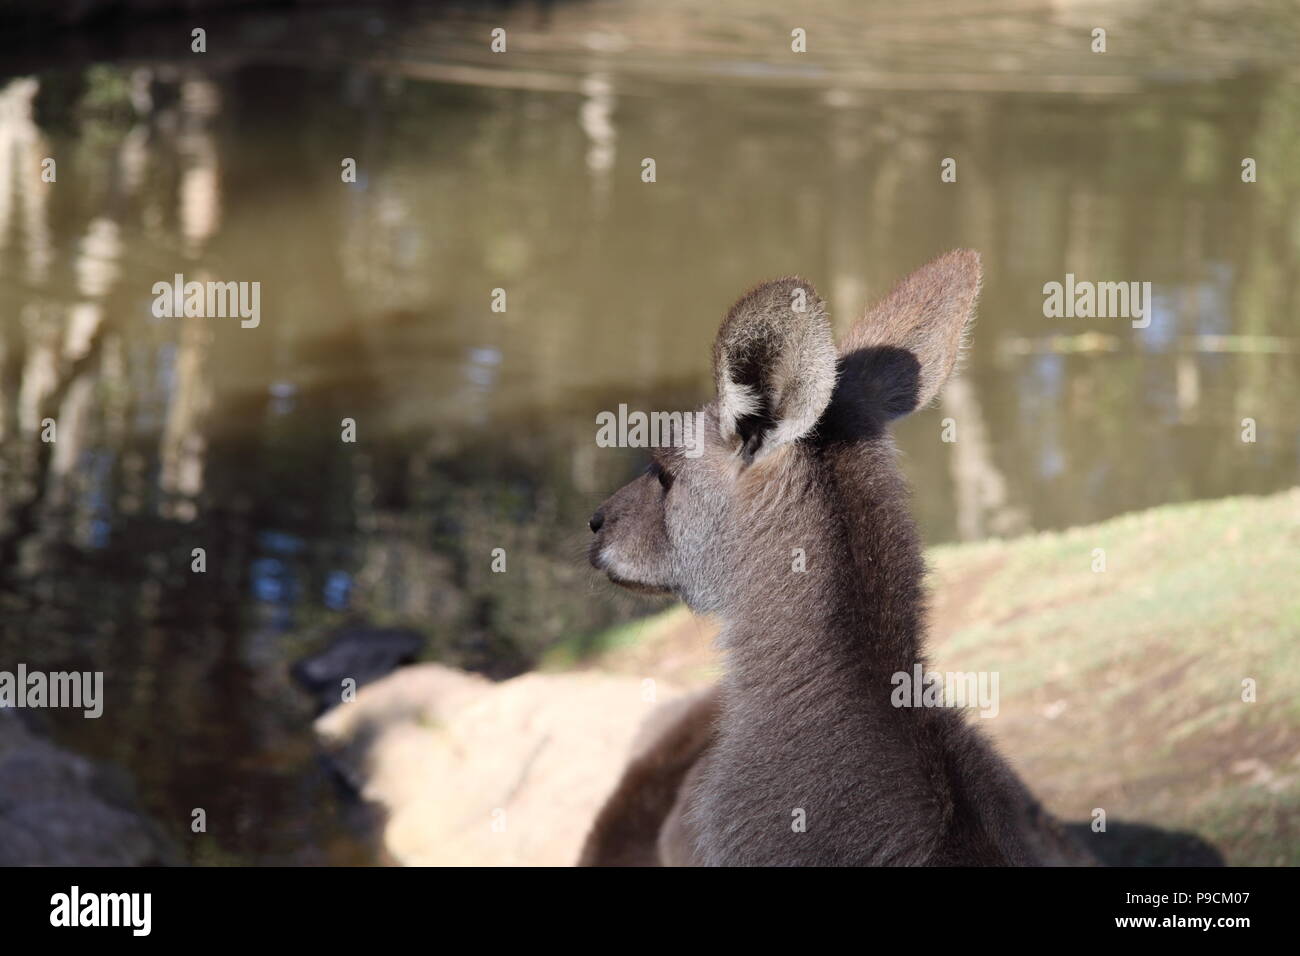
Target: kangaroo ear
[
  {"x": 899, "y": 355},
  {"x": 773, "y": 366}
]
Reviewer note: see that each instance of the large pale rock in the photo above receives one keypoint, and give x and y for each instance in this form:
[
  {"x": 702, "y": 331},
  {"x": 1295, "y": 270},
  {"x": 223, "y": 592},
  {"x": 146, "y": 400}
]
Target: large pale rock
[{"x": 482, "y": 774}]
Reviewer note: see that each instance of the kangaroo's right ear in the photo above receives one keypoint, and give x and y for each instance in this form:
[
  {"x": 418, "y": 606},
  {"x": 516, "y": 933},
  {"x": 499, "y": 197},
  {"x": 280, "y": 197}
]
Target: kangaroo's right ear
[
  {"x": 774, "y": 367},
  {"x": 899, "y": 355}
]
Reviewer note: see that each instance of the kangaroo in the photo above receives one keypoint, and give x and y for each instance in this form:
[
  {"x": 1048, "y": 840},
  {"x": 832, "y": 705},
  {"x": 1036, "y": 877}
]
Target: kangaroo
[{"x": 792, "y": 527}]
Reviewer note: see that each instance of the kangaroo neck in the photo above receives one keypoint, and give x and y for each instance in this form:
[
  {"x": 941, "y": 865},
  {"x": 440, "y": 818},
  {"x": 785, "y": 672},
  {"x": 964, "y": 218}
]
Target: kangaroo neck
[
  {"x": 807, "y": 722},
  {"x": 855, "y": 616}
]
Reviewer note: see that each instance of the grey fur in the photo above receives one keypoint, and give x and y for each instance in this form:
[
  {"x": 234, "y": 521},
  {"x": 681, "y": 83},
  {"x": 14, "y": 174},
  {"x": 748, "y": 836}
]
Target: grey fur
[{"x": 803, "y": 719}]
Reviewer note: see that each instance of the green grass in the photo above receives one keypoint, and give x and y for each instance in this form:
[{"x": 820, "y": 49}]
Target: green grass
[{"x": 1123, "y": 689}]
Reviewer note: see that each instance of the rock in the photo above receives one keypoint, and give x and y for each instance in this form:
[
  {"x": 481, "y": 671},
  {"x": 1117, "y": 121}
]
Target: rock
[
  {"x": 60, "y": 809},
  {"x": 480, "y": 774},
  {"x": 361, "y": 653}
]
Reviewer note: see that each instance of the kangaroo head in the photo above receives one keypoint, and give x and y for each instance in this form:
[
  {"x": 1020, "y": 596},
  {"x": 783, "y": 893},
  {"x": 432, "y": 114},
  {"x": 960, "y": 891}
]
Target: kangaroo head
[{"x": 720, "y": 529}]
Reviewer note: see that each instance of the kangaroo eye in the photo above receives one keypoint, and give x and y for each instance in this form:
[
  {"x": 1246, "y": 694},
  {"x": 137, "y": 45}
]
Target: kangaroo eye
[{"x": 664, "y": 478}]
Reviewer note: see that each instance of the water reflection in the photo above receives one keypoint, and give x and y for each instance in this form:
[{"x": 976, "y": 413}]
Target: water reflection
[{"x": 475, "y": 427}]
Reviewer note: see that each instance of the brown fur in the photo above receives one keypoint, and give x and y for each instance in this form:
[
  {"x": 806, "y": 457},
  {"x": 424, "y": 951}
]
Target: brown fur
[
  {"x": 628, "y": 828},
  {"x": 798, "y": 460}
]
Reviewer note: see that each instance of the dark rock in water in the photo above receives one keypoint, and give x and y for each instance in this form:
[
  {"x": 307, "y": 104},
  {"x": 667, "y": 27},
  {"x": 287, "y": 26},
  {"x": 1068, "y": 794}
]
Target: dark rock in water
[
  {"x": 360, "y": 652},
  {"x": 61, "y": 809}
]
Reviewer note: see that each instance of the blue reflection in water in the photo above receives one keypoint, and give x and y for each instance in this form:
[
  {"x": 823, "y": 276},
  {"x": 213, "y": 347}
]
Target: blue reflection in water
[
  {"x": 1047, "y": 382},
  {"x": 283, "y": 397},
  {"x": 483, "y": 367},
  {"x": 273, "y": 578},
  {"x": 338, "y": 590},
  {"x": 99, "y": 465},
  {"x": 272, "y": 583},
  {"x": 1190, "y": 308}
]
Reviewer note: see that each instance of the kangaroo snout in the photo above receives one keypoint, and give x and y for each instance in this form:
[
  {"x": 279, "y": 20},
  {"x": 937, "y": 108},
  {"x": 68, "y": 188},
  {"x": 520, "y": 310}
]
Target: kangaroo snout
[
  {"x": 595, "y": 550},
  {"x": 628, "y": 542}
]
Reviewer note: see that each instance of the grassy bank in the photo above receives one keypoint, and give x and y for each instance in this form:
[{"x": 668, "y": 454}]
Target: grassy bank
[{"x": 1120, "y": 689}]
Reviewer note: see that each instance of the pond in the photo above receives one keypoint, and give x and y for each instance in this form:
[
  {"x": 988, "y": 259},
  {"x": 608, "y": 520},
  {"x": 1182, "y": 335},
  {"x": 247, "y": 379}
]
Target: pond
[{"x": 497, "y": 273}]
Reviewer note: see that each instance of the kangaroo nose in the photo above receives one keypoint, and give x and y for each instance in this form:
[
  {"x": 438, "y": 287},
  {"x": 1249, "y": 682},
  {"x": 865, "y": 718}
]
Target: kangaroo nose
[{"x": 596, "y": 521}]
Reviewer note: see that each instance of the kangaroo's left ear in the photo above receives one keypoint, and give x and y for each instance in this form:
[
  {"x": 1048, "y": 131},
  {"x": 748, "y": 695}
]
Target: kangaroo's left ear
[
  {"x": 774, "y": 367},
  {"x": 899, "y": 355}
]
